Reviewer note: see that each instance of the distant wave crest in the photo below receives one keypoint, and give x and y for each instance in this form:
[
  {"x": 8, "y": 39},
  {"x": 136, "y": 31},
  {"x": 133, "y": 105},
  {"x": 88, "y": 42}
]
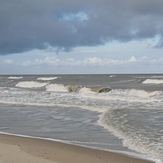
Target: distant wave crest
[
  {"x": 15, "y": 77},
  {"x": 30, "y": 84},
  {"x": 47, "y": 78},
  {"x": 75, "y": 88},
  {"x": 153, "y": 81}
]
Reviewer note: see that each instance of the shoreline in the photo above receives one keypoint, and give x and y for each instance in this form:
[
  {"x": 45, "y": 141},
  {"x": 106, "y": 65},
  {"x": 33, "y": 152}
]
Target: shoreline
[{"x": 18, "y": 149}]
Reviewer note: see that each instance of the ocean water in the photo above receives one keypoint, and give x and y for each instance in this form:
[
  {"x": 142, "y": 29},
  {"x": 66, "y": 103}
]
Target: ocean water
[{"x": 120, "y": 113}]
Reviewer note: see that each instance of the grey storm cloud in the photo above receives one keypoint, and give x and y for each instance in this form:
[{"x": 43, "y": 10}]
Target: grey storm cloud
[{"x": 65, "y": 24}]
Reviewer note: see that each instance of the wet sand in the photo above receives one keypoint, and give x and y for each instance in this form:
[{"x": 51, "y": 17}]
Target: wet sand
[{"x": 15, "y": 149}]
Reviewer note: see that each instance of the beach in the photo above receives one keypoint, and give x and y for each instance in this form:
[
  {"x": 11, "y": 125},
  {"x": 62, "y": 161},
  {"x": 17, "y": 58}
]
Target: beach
[{"x": 17, "y": 149}]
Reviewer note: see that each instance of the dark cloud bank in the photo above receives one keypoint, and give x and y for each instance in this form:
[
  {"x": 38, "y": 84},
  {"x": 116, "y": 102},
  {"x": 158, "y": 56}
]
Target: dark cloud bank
[{"x": 64, "y": 24}]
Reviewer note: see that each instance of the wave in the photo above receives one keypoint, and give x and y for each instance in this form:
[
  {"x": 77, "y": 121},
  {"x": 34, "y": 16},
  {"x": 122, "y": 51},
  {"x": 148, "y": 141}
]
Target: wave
[
  {"x": 112, "y": 76},
  {"x": 66, "y": 103},
  {"x": 15, "y": 77},
  {"x": 88, "y": 89},
  {"x": 100, "y": 89},
  {"x": 76, "y": 88},
  {"x": 56, "y": 88},
  {"x": 131, "y": 140},
  {"x": 61, "y": 87},
  {"x": 85, "y": 98},
  {"x": 47, "y": 78},
  {"x": 153, "y": 81},
  {"x": 82, "y": 89},
  {"x": 157, "y": 76},
  {"x": 30, "y": 84},
  {"x": 127, "y": 81},
  {"x": 116, "y": 96},
  {"x": 134, "y": 136},
  {"x": 139, "y": 93}
]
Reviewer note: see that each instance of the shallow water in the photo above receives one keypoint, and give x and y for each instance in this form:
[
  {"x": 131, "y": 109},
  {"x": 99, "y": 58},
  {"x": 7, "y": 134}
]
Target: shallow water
[{"x": 42, "y": 106}]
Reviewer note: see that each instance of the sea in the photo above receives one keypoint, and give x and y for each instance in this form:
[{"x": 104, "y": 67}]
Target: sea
[{"x": 122, "y": 113}]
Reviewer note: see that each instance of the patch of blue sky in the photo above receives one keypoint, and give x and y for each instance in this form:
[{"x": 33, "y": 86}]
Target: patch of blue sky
[{"x": 80, "y": 16}]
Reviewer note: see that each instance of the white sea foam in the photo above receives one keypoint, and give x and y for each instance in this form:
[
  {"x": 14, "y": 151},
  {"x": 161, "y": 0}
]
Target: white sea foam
[
  {"x": 128, "y": 141},
  {"x": 75, "y": 88},
  {"x": 47, "y": 78},
  {"x": 15, "y": 77},
  {"x": 85, "y": 91},
  {"x": 156, "y": 77},
  {"x": 112, "y": 76},
  {"x": 129, "y": 95},
  {"x": 52, "y": 98},
  {"x": 31, "y": 103},
  {"x": 56, "y": 88},
  {"x": 140, "y": 93},
  {"x": 30, "y": 84},
  {"x": 84, "y": 98},
  {"x": 153, "y": 81}
]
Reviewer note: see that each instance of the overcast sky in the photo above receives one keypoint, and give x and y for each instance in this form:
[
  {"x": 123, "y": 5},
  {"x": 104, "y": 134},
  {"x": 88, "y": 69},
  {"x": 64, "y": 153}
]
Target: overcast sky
[{"x": 79, "y": 36}]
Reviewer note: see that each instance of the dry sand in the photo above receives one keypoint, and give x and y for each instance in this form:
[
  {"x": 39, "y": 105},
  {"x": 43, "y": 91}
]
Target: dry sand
[{"x": 15, "y": 149}]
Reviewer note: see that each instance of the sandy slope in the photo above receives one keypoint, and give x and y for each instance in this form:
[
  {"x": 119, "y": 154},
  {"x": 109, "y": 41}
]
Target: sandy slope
[{"x": 15, "y": 149}]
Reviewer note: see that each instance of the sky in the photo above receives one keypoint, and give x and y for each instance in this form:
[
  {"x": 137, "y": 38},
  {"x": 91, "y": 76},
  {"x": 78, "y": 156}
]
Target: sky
[{"x": 81, "y": 37}]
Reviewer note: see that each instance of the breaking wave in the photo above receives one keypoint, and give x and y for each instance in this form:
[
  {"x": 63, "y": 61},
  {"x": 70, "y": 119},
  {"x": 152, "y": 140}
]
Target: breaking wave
[
  {"x": 123, "y": 123},
  {"x": 88, "y": 89},
  {"x": 15, "y": 77},
  {"x": 61, "y": 87},
  {"x": 47, "y": 78},
  {"x": 30, "y": 84},
  {"x": 153, "y": 81},
  {"x": 118, "y": 106},
  {"x": 130, "y": 96},
  {"x": 56, "y": 88},
  {"x": 112, "y": 76},
  {"x": 100, "y": 89}
]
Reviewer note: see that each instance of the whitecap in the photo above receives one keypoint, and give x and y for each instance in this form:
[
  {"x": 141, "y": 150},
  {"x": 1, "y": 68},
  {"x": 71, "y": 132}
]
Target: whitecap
[
  {"x": 15, "y": 77},
  {"x": 47, "y": 78},
  {"x": 30, "y": 84},
  {"x": 56, "y": 88},
  {"x": 153, "y": 81}
]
